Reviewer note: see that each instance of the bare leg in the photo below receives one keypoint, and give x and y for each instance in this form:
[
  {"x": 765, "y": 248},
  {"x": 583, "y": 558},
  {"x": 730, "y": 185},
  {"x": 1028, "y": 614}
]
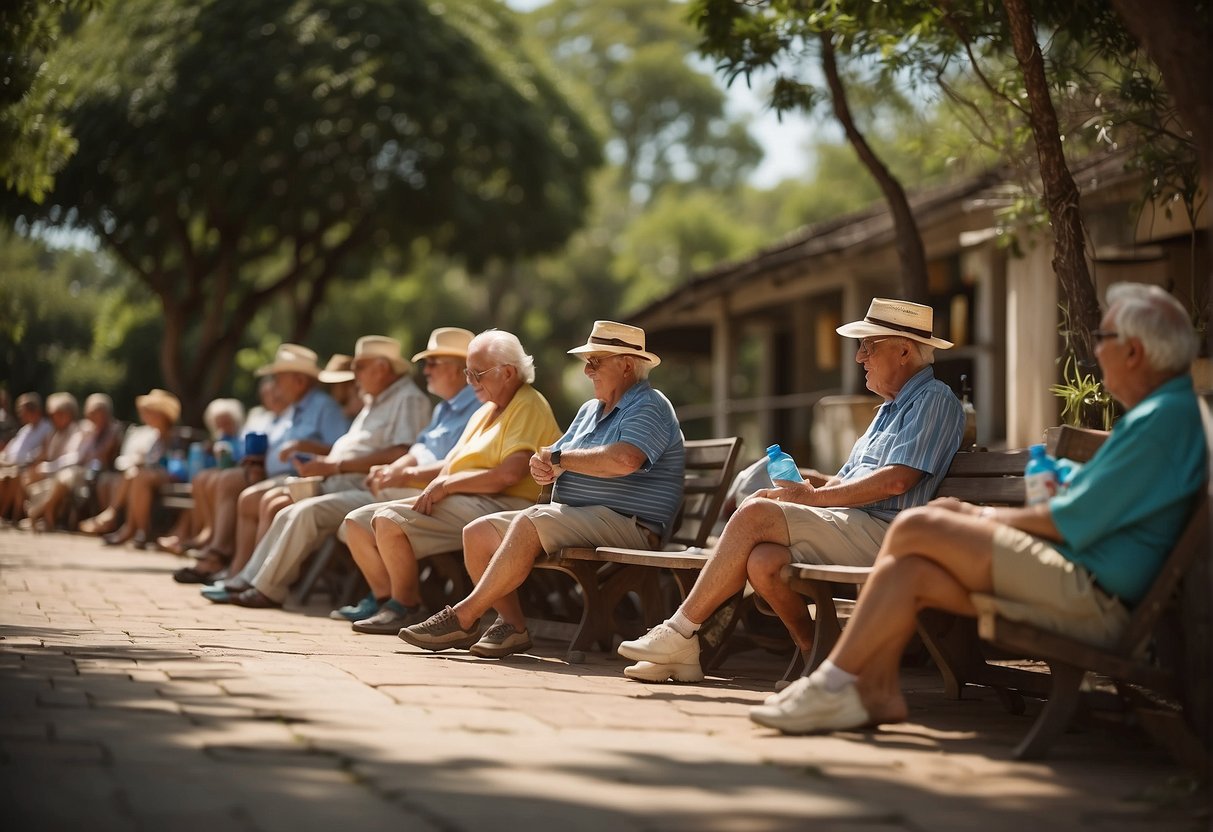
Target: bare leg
[
  {"x": 228, "y": 486},
  {"x": 398, "y": 558},
  {"x": 361, "y": 543},
  {"x": 248, "y": 508},
  {"x": 140, "y": 498},
  {"x": 483, "y": 549},
  {"x": 953, "y": 559},
  {"x": 763, "y": 570},
  {"x": 758, "y": 521},
  {"x": 272, "y": 502}
]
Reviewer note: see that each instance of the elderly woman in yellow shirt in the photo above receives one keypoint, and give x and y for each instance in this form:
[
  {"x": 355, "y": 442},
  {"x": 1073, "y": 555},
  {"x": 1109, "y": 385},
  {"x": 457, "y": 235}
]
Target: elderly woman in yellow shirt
[{"x": 487, "y": 471}]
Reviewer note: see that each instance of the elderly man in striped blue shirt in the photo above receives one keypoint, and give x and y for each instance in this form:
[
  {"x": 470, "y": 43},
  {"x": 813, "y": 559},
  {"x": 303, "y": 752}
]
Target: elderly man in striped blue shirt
[
  {"x": 616, "y": 477},
  {"x": 898, "y": 463}
]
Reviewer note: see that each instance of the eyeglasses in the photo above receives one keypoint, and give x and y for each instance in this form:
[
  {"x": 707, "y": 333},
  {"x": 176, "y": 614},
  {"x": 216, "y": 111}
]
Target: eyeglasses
[
  {"x": 1104, "y": 334},
  {"x": 474, "y": 377},
  {"x": 866, "y": 345},
  {"x": 595, "y": 362}
]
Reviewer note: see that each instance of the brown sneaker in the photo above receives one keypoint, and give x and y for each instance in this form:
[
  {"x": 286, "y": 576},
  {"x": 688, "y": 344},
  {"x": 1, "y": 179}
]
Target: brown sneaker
[
  {"x": 441, "y": 631},
  {"x": 501, "y": 640}
]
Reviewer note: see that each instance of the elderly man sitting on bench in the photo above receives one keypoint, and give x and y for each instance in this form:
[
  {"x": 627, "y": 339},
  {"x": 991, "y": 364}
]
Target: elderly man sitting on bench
[
  {"x": 896, "y": 464},
  {"x": 1073, "y": 565}
]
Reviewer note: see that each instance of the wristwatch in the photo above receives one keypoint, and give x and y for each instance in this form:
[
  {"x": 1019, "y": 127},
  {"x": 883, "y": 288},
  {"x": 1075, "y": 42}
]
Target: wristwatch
[{"x": 555, "y": 458}]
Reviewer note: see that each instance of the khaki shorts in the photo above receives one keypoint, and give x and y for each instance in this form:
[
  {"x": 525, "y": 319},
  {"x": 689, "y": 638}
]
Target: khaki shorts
[
  {"x": 838, "y": 536},
  {"x": 589, "y": 527},
  {"x": 442, "y": 531},
  {"x": 1036, "y": 584}
]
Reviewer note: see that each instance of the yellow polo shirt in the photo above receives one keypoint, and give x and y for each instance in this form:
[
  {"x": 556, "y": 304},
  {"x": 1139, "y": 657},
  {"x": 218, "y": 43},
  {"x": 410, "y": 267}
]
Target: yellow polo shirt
[{"x": 526, "y": 424}]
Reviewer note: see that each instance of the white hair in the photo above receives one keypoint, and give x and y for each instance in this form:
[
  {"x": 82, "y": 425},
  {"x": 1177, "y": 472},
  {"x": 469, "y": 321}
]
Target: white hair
[
  {"x": 99, "y": 401},
  {"x": 640, "y": 367},
  {"x": 926, "y": 352},
  {"x": 217, "y": 408},
  {"x": 1158, "y": 320},
  {"x": 505, "y": 348},
  {"x": 62, "y": 401}
]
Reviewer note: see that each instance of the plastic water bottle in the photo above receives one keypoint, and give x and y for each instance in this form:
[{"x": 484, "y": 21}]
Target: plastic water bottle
[
  {"x": 197, "y": 459},
  {"x": 223, "y": 454},
  {"x": 1039, "y": 476},
  {"x": 781, "y": 466}
]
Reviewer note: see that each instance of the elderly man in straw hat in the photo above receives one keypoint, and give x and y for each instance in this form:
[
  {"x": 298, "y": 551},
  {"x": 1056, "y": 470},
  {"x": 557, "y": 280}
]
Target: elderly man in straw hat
[
  {"x": 487, "y": 471},
  {"x": 311, "y": 424},
  {"x": 616, "y": 476},
  {"x": 898, "y": 463},
  {"x": 1074, "y": 565},
  {"x": 392, "y": 419}
]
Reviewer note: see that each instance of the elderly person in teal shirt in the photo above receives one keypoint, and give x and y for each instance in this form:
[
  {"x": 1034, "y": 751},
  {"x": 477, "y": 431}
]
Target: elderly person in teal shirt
[{"x": 1075, "y": 565}]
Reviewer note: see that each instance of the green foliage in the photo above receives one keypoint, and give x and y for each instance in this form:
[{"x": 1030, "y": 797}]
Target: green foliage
[
  {"x": 47, "y": 307},
  {"x": 231, "y": 153},
  {"x": 34, "y": 142},
  {"x": 1085, "y": 402},
  {"x": 665, "y": 118}
]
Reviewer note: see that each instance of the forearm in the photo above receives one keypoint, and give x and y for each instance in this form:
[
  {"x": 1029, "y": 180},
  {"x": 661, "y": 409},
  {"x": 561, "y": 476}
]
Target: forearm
[
  {"x": 615, "y": 460},
  {"x": 879, "y": 485},
  {"x": 1035, "y": 520}
]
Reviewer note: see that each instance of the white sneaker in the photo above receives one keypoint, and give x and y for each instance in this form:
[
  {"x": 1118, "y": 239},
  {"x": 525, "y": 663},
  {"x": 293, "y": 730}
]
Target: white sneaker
[
  {"x": 804, "y": 708},
  {"x": 662, "y": 645},
  {"x": 652, "y": 672}
]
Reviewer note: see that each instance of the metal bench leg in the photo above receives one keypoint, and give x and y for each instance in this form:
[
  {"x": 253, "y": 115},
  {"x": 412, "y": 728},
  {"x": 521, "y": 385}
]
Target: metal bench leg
[{"x": 320, "y": 560}]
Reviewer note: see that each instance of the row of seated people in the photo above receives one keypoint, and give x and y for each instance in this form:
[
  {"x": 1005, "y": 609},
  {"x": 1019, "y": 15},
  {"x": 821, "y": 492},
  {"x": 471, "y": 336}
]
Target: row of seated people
[{"x": 1075, "y": 564}]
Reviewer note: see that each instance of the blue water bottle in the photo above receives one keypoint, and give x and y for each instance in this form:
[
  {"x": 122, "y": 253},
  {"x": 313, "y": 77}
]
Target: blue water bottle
[
  {"x": 1039, "y": 476},
  {"x": 197, "y": 459},
  {"x": 781, "y": 466}
]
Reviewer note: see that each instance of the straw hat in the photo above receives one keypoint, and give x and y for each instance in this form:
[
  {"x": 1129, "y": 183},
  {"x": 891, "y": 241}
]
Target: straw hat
[
  {"x": 380, "y": 346},
  {"x": 292, "y": 358},
  {"x": 616, "y": 339},
  {"x": 338, "y": 370},
  {"x": 161, "y": 401},
  {"x": 896, "y": 317},
  {"x": 449, "y": 341}
]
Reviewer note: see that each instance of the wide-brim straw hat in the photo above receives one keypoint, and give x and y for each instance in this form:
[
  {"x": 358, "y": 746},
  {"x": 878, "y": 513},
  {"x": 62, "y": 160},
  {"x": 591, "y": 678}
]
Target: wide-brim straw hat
[
  {"x": 292, "y": 358},
  {"x": 161, "y": 401},
  {"x": 896, "y": 317},
  {"x": 338, "y": 370},
  {"x": 616, "y": 339},
  {"x": 446, "y": 341},
  {"x": 380, "y": 346}
]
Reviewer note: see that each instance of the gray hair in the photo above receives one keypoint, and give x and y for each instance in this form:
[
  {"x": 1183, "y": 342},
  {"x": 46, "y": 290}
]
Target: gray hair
[
  {"x": 640, "y": 367},
  {"x": 217, "y": 407},
  {"x": 62, "y": 401},
  {"x": 926, "y": 352},
  {"x": 99, "y": 401},
  {"x": 505, "y": 348},
  {"x": 1158, "y": 320}
]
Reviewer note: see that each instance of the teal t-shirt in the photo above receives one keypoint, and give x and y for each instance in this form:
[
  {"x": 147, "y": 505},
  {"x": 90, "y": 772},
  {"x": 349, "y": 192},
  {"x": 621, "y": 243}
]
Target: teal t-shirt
[{"x": 1124, "y": 510}]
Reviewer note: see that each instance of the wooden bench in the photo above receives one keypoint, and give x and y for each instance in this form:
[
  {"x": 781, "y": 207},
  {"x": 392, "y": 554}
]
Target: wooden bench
[
  {"x": 606, "y": 575},
  {"x": 955, "y": 642}
]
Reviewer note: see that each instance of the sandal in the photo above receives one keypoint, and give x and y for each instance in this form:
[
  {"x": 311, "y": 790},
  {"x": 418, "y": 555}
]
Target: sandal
[{"x": 195, "y": 575}]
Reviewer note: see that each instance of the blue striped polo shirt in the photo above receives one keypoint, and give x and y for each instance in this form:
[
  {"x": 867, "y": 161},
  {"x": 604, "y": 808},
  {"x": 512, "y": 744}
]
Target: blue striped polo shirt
[
  {"x": 644, "y": 418},
  {"x": 920, "y": 428}
]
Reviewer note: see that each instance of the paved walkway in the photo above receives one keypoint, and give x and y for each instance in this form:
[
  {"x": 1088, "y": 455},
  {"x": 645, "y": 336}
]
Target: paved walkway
[{"x": 129, "y": 702}]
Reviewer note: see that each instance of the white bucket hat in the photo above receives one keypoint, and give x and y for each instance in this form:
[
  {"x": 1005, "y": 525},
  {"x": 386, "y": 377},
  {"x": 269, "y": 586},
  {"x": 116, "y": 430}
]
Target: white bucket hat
[
  {"x": 379, "y": 346},
  {"x": 616, "y": 339},
  {"x": 292, "y": 358},
  {"x": 161, "y": 401},
  {"x": 896, "y": 317}
]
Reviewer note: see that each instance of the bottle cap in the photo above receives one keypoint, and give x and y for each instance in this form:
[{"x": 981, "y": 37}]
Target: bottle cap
[{"x": 773, "y": 450}]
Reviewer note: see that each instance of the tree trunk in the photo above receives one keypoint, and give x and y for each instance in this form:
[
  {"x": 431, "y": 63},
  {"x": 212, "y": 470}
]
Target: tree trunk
[
  {"x": 907, "y": 240},
  {"x": 1080, "y": 307},
  {"x": 1177, "y": 39}
]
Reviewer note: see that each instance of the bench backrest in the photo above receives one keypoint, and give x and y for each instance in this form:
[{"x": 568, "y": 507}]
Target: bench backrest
[
  {"x": 710, "y": 465},
  {"x": 987, "y": 477}
]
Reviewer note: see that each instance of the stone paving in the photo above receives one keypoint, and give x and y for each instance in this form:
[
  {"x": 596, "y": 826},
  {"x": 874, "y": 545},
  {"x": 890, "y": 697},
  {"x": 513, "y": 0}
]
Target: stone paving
[{"x": 129, "y": 702}]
